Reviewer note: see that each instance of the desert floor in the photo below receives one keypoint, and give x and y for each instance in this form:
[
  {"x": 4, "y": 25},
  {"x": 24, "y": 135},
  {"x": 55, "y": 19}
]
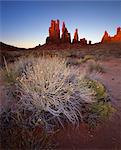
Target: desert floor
[{"x": 108, "y": 135}]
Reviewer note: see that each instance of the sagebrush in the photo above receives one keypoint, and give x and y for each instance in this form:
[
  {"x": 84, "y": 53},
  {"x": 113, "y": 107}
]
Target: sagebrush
[
  {"x": 45, "y": 92},
  {"x": 50, "y": 90}
]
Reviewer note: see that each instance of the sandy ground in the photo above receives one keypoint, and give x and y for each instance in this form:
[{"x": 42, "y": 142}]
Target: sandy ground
[{"x": 108, "y": 135}]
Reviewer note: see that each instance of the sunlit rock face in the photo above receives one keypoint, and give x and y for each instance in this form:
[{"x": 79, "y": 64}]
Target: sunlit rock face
[
  {"x": 54, "y": 32},
  {"x": 117, "y": 37},
  {"x": 110, "y": 39},
  {"x": 76, "y": 38},
  {"x": 106, "y": 38},
  {"x": 65, "y": 37},
  {"x": 83, "y": 41}
]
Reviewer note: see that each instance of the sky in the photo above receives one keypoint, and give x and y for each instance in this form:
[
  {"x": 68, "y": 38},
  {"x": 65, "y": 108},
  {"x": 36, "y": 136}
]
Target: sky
[{"x": 26, "y": 23}]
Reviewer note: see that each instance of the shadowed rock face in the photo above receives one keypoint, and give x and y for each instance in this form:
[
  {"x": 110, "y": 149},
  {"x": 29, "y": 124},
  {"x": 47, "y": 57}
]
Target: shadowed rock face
[
  {"x": 76, "y": 38},
  {"x": 108, "y": 39},
  {"x": 90, "y": 42},
  {"x": 83, "y": 41},
  {"x": 66, "y": 37}
]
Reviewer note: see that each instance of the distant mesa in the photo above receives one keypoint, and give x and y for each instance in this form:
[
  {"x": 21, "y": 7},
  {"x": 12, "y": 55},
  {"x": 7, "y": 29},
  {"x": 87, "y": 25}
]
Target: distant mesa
[{"x": 112, "y": 39}]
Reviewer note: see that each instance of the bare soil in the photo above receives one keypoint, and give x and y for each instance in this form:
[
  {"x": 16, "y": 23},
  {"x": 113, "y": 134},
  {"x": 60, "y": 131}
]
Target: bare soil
[{"x": 107, "y": 136}]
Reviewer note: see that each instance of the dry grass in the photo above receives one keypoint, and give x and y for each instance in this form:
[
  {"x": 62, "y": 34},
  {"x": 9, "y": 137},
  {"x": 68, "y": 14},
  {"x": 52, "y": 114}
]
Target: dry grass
[
  {"x": 95, "y": 66},
  {"x": 50, "y": 90},
  {"x": 45, "y": 93}
]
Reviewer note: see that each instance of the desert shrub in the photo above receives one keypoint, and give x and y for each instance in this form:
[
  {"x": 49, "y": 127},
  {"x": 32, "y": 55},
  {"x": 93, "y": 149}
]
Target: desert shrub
[
  {"x": 53, "y": 91},
  {"x": 95, "y": 66},
  {"x": 49, "y": 91},
  {"x": 99, "y": 88},
  {"x": 98, "y": 112},
  {"x": 46, "y": 93},
  {"x": 74, "y": 61},
  {"x": 88, "y": 57},
  {"x": 14, "y": 136},
  {"x": 101, "y": 109},
  {"x": 12, "y": 71}
]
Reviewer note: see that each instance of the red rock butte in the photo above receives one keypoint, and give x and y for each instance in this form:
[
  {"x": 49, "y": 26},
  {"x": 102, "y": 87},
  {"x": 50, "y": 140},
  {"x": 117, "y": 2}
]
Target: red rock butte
[
  {"x": 76, "y": 37},
  {"x": 111, "y": 39},
  {"x": 65, "y": 37},
  {"x": 54, "y": 32},
  {"x": 55, "y": 37}
]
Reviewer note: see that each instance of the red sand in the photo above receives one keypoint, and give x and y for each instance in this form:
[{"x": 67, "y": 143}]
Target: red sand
[{"x": 108, "y": 135}]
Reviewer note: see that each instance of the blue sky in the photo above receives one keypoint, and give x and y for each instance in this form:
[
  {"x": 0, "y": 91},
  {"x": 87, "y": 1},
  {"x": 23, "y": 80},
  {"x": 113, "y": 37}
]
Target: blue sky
[{"x": 26, "y": 23}]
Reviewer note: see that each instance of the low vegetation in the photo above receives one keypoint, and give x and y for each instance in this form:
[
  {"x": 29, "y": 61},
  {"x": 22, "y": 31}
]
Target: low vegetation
[
  {"x": 88, "y": 57},
  {"x": 92, "y": 62},
  {"x": 45, "y": 93},
  {"x": 94, "y": 66},
  {"x": 100, "y": 90}
]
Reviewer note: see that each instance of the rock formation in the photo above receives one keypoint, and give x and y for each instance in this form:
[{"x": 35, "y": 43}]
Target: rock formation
[
  {"x": 111, "y": 39},
  {"x": 76, "y": 38},
  {"x": 90, "y": 42},
  {"x": 117, "y": 37},
  {"x": 54, "y": 32},
  {"x": 106, "y": 38},
  {"x": 83, "y": 41},
  {"x": 66, "y": 37},
  {"x": 55, "y": 38}
]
